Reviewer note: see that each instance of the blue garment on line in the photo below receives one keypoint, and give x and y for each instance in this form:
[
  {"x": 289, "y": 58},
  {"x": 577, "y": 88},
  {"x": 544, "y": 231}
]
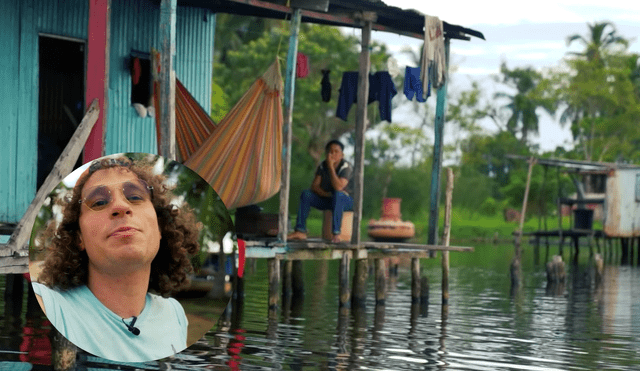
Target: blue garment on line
[
  {"x": 413, "y": 84},
  {"x": 381, "y": 89}
]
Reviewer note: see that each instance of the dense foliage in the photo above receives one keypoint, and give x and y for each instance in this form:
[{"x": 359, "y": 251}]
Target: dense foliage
[{"x": 597, "y": 92}]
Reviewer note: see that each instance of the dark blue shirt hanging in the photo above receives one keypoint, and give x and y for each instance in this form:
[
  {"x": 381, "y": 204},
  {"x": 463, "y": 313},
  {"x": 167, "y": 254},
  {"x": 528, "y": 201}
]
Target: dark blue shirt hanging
[
  {"x": 413, "y": 84},
  {"x": 381, "y": 89}
]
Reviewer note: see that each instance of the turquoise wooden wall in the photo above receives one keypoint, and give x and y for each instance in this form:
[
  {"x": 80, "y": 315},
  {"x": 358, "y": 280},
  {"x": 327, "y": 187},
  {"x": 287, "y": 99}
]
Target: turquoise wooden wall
[
  {"x": 134, "y": 26},
  {"x": 20, "y": 23}
]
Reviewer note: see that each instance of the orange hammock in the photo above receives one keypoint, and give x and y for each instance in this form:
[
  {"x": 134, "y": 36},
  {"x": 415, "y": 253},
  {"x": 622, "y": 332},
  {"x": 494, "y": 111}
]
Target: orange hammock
[{"x": 240, "y": 156}]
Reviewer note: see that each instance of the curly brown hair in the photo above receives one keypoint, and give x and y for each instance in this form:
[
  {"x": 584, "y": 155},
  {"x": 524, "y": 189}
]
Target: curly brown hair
[{"x": 66, "y": 265}]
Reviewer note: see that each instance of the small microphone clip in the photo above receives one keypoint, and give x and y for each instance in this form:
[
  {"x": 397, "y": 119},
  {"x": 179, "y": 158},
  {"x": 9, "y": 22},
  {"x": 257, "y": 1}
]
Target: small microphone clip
[{"x": 133, "y": 330}]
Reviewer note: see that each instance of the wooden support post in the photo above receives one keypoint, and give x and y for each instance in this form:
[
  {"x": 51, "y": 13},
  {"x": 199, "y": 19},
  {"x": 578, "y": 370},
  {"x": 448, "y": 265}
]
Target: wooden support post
[
  {"x": 359, "y": 297},
  {"x": 516, "y": 267},
  {"x": 286, "y": 278},
  {"x": 14, "y": 257},
  {"x": 361, "y": 123},
  {"x": 289, "y": 93},
  {"x": 344, "y": 281},
  {"x": 97, "y": 78},
  {"x": 381, "y": 281},
  {"x": 598, "y": 265},
  {"x": 436, "y": 166},
  {"x": 63, "y": 352},
  {"x": 297, "y": 279},
  {"x": 167, "y": 79},
  {"x": 424, "y": 293},
  {"x": 555, "y": 270},
  {"x": 447, "y": 237},
  {"x": 273, "y": 271},
  {"x": 415, "y": 280}
]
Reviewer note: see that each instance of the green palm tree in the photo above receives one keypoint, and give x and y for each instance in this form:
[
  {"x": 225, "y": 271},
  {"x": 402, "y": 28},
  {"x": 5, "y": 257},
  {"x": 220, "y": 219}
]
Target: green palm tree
[
  {"x": 602, "y": 37},
  {"x": 524, "y": 103}
]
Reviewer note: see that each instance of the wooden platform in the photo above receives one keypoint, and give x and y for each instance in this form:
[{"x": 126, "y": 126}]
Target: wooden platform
[{"x": 318, "y": 249}]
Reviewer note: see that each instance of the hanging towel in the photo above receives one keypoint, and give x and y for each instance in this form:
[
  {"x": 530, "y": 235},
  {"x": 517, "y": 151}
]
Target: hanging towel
[
  {"x": 326, "y": 86},
  {"x": 302, "y": 65},
  {"x": 413, "y": 85},
  {"x": 433, "y": 53},
  {"x": 381, "y": 89}
]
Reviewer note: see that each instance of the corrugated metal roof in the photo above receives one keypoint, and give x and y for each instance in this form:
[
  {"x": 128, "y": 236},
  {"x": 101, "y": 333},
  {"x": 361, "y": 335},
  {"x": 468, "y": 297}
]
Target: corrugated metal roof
[{"x": 340, "y": 13}]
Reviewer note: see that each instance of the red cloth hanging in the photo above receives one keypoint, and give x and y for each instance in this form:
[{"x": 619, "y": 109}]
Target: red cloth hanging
[
  {"x": 136, "y": 71},
  {"x": 302, "y": 65}
]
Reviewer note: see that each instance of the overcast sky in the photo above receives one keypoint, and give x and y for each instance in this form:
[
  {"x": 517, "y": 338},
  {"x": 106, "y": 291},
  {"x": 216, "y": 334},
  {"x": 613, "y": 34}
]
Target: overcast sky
[{"x": 521, "y": 34}]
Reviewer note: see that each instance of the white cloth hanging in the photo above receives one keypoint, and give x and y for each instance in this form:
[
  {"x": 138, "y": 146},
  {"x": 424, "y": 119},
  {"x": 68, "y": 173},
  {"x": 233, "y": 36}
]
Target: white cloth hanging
[{"x": 433, "y": 53}]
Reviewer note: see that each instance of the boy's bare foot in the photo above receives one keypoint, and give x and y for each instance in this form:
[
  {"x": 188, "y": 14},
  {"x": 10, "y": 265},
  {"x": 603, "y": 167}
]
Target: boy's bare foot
[
  {"x": 297, "y": 235},
  {"x": 335, "y": 239}
]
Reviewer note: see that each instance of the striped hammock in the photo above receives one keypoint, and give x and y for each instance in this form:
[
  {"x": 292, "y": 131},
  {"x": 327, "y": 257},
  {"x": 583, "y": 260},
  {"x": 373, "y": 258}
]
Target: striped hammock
[{"x": 240, "y": 156}]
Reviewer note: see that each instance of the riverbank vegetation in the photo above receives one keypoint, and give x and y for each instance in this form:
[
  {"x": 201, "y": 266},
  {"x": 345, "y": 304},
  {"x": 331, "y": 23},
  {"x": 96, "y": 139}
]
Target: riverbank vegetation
[{"x": 595, "y": 92}]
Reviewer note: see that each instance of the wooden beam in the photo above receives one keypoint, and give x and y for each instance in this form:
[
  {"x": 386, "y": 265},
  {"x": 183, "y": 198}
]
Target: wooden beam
[
  {"x": 436, "y": 167},
  {"x": 361, "y": 126},
  {"x": 167, "y": 79},
  {"x": 289, "y": 93},
  {"x": 98, "y": 45},
  {"x": 399, "y": 246},
  {"x": 18, "y": 244}
]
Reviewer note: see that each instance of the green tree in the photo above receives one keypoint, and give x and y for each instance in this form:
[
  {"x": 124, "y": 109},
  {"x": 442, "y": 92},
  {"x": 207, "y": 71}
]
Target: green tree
[
  {"x": 598, "y": 42},
  {"x": 600, "y": 92},
  {"x": 523, "y": 104}
]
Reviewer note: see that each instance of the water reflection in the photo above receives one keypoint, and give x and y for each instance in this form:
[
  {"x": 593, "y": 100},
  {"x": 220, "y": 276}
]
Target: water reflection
[{"x": 576, "y": 325}]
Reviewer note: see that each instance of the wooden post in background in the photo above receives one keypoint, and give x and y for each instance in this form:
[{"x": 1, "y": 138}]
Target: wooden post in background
[
  {"x": 289, "y": 93},
  {"x": 361, "y": 123},
  {"x": 415, "y": 280},
  {"x": 447, "y": 237},
  {"x": 516, "y": 265},
  {"x": 381, "y": 282},
  {"x": 273, "y": 271},
  {"x": 359, "y": 296},
  {"x": 167, "y": 79},
  {"x": 344, "y": 281},
  {"x": 436, "y": 167}
]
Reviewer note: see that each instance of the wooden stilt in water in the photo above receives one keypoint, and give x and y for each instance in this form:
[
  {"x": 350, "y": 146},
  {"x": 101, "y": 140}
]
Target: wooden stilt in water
[
  {"x": 286, "y": 278},
  {"x": 344, "y": 281},
  {"x": 447, "y": 237},
  {"x": 381, "y": 281},
  {"x": 415, "y": 280},
  {"x": 424, "y": 292},
  {"x": 555, "y": 270},
  {"x": 516, "y": 267},
  {"x": 63, "y": 353},
  {"x": 359, "y": 296},
  {"x": 297, "y": 279},
  {"x": 273, "y": 270},
  {"x": 638, "y": 255},
  {"x": 598, "y": 268},
  {"x": 624, "y": 247}
]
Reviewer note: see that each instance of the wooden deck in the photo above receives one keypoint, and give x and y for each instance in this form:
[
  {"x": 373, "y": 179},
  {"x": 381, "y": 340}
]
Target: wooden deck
[{"x": 318, "y": 249}]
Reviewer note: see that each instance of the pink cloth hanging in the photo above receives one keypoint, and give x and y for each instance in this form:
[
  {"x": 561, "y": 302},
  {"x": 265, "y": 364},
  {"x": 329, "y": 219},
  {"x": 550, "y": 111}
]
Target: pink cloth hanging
[{"x": 302, "y": 65}]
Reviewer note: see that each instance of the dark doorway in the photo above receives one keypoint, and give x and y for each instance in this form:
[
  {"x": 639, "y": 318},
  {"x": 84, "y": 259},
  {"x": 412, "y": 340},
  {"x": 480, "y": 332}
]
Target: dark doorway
[{"x": 61, "y": 99}]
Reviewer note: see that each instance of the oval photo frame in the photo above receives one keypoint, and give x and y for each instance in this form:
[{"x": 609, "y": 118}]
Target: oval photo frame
[{"x": 203, "y": 300}]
